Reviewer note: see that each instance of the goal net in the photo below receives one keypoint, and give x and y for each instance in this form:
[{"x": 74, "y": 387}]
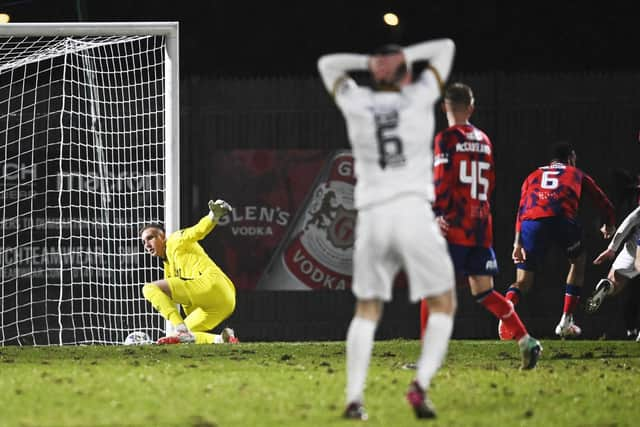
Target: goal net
[{"x": 87, "y": 149}]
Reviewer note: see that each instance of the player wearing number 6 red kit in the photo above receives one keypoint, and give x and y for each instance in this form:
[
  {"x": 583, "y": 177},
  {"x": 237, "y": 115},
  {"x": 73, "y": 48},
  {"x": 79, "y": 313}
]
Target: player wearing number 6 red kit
[
  {"x": 547, "y": 215},
  {"x": 390, "y": 127},
  {"x": 464, "y": 177}
]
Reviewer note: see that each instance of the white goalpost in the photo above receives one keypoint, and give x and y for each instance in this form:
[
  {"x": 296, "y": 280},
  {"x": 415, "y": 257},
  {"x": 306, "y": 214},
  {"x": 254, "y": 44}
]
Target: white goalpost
[{"x": 89, "y": 153}]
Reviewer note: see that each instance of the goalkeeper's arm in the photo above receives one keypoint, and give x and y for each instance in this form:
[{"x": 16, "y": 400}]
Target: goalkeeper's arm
[{"x": 217, "y": 210}]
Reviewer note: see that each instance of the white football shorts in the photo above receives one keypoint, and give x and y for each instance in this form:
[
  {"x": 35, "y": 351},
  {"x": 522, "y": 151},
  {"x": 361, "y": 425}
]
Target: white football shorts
[
  {"x": 400, "y": 233},
  {"x": 624, "y": 262}
]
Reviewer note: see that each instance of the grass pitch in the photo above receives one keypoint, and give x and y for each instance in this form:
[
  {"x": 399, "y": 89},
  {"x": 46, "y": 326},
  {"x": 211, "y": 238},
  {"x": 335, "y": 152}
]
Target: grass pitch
[{"x": 577, "y": 383}]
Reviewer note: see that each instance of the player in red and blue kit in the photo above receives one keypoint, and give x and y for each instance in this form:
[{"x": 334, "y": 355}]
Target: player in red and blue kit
[
  {"x": 464, "y": 178},
  {"x": 547, "y": 215}
]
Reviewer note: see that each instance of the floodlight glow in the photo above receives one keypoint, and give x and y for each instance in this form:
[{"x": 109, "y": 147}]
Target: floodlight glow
[{"x": 391, "y": 19}]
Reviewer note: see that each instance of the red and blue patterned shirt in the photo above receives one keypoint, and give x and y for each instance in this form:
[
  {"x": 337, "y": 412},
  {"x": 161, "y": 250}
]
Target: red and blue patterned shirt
[
  {"x": 464, "y": 179},
  {"x": 556, "y": 190}
]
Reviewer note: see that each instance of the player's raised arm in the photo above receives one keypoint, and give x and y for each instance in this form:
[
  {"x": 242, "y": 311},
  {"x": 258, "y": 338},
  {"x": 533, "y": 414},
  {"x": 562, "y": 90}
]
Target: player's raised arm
[
  {"x": 217, "y": 210},
  {"x": 439, "y": 53},
  {"x": 334, "y": 69}
]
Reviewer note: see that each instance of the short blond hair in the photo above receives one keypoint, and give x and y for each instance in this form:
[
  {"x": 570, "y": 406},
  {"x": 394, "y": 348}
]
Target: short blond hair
[
  {"x": 459, "y": 94},
  {"x": 151, "y": 225}
]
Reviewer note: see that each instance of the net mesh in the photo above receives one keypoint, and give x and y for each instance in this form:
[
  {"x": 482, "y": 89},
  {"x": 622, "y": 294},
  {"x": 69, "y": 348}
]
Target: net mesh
[{"x": 82, "y": 125}]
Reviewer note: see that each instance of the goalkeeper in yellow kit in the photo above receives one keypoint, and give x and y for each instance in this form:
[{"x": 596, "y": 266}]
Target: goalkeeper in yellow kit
[{"x": 192, "y": 280}]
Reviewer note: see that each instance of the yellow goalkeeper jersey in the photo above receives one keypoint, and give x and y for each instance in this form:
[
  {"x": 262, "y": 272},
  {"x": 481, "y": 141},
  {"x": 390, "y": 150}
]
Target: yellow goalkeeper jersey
[{"x": 185, "y": 258}]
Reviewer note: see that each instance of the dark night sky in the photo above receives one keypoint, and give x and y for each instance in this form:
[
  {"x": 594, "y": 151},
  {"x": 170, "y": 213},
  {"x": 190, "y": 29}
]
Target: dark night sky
[{"x": 249, "y": 38}]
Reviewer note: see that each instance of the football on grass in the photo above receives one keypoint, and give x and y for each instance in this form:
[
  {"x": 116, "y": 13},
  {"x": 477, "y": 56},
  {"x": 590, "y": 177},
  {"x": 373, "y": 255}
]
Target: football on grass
[{"x": 138, "y": 338}]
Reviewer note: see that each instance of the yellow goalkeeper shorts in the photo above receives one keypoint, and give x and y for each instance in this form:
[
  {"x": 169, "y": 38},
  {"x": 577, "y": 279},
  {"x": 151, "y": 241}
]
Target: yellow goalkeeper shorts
[{"x": 207, "y": 300}]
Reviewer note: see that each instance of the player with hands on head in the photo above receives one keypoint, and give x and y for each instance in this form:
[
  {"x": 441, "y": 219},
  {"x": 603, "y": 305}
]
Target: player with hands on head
[
  {"x": 547, "y": 214},
  {"x": 464, "y": 176},
  {"x": 626, "y": 265},
  {"x": 191, "y": 279},
  {"x": 390, "y": 127}
]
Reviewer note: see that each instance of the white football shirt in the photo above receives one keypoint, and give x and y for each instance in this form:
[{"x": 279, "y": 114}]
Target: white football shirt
[
  {"x": 390, "y": 132},
  {"x": 390, "y": 135}
]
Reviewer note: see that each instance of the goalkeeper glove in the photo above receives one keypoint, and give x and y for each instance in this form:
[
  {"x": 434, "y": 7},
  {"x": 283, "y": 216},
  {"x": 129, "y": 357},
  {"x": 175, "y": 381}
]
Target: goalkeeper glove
[{"x": 218, "y": 209}]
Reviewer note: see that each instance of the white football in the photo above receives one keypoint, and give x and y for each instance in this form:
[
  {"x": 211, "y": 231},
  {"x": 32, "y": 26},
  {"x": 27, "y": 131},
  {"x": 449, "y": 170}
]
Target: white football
[{"x": 138, "y": 338}]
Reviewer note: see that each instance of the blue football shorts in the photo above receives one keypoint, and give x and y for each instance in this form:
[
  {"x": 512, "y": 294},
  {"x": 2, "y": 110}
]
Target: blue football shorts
[
  {"x": 473, "y": 260},
  {"x": 537, "y": 236}
]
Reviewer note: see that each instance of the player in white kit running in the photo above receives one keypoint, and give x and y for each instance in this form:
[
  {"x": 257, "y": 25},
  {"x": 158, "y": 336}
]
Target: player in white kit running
[
  {"x": 390, "y": 128},
  {"x": 626, "y": 265}
]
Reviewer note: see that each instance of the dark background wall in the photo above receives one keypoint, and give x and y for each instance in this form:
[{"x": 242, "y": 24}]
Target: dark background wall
[
  {"x": 523, "y": 113},
  {"x": 253, "y": 38}
]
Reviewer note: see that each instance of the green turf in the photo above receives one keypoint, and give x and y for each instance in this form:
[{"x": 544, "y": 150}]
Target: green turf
[{"x": 577, "y": 383}]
